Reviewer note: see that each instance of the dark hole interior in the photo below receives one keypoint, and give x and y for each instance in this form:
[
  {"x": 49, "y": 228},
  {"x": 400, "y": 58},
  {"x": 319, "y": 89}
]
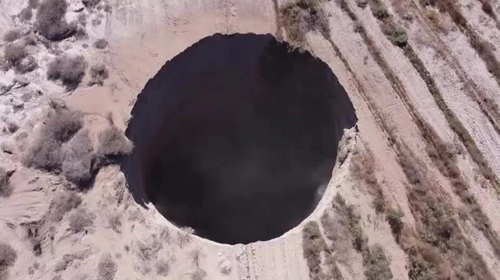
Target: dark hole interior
[{"x": 237, "y": 137}]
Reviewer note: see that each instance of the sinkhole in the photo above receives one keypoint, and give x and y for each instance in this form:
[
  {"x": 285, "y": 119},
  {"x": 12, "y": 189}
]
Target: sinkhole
[{"x": 237, "y": 136}]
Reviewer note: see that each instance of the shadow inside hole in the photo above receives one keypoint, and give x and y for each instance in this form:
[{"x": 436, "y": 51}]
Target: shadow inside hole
[{"x": 236, "y": 136}]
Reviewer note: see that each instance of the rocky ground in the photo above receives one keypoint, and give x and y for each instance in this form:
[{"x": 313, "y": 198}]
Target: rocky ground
[{"x": 414, "y": 194}]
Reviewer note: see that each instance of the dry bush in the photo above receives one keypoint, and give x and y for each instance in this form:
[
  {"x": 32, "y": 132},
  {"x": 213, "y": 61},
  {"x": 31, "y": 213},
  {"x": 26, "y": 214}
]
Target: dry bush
[
  {"x": 78, "y": 158},
  {"x": 115, "y": 222},
  {"x": 5, "y": 187},
  {"x": 393, "y": 217},
  {"x": 107, "y": 267},
  {"x": 45, "y": 150},
  {"x": 33, "y": 4},
  {"x": 198, "y": 274},
  {"x": 26, "y": 65},
  {"x": 63, "y": 203},
  {"x": 14, "y": 53},
  {"x": 69, "y": 258},
  {"x": 300, "y": 17},
  {"x": 377, "y": 265},
  {"x": 100, "y": 44},
  {"x": 79, "y": 221},
  {"x": 162, "y": 268},
  {"x": 12, "y": 35},
  {"x": 7, "y": 258},
  {"x": 30, "y": 40},
  {"x": 26, "y": 14},
  {"x": 98, "y": 73},
  {"x": 379, "y": 10},
  {"x": 312, "y": 246},
  {"x": 69, "y": 70},
  {"x": 112, "y": 145},
  {"x": 51, "y": 22},
  {"x": 362, "y": 3},
  {"x": 90, "y": 3}
]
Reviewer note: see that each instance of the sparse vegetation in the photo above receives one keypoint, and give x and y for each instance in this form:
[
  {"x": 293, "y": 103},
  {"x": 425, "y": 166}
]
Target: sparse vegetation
[
  {"x": 79, "y": 221},
  {"x": 379, "y": 10},
  {"x": 45, "y": 150},
  {"x": 7, "y": 258},
  {"x": 162, "y": 268},
  {"x": 14, "y": 53},
  {"x": 377, "y": 265},
  {"x": 98, "y": 73},
  {"x": 115, "y": 222},
  {"x": 51, "y": 22},
  {"x": 5, "y": 187},
  {"x": 313, "y": 245},
  {"x": 62, "y": 204},
  {"x": 100, "y": 44},
  {"x": 393, "y": 217},
  {"x": 78, "y": 156},
  {"x": 26, "y": 14},
  {"x": 300, "y": 17},
  {"x": 399, "y": 37},
  {"x": 12, "y": 35},
  {"x": 112, "y": 145},
  {"x": 69, "y": 70},
  {"x": 107, "y": 267},
  {"x": 90, "y": 3}
]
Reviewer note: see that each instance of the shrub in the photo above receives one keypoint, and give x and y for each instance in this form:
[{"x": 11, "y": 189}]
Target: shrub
[
  {"x": 96, "y": 21},
  {"x": 100, "y": 44},
  {"x": 399, "y": 37},
  {"x": 78, "y": 157},
  {"x": 5, "y": 188},
  {"x": 30, "y": 40},
  {"x": 50, "y": 21},
  {"x": 90, "y": 3},
  {"x": 302, "y": 16},
  {"x": 33, "y": 4},
  {"x": 69, "y": 70},
  {"x": 7, "y": 258},
  {"x": 26, "y": 65},
  {"x": 14, "y": 53},
  {"x": 377, "y": 265},
  {"x": 63, "y": 203},
  {"x": 107, "y": 267},
  {"x": 45, "y": 150},
  {"x": 362, "y": 3},
  {"x": 98, "y": 73},
  {"x": 312, "y": 246},
  {"x": 380, "y": 11},
  {"x": 115, "y": 222},
  {"x": 395, "y": 222},
  {"x": 79, "y": 220},
  {"x": 162, "y": 268},
  {"x": 26, "y": 14},
  {"x": 112, "y": 145},
  {"x": 12, "y": 35}
]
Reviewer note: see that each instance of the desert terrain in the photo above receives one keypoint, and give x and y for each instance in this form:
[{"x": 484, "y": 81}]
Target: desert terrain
[{"x": 414, "y": 193}]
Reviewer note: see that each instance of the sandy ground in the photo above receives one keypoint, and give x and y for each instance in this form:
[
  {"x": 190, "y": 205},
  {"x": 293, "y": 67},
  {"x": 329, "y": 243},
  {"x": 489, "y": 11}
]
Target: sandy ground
[{"x": 142, "y": 36}]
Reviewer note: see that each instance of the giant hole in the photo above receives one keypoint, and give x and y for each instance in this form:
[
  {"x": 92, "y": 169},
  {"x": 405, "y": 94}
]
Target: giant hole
[{"x": 237, "y": 136}]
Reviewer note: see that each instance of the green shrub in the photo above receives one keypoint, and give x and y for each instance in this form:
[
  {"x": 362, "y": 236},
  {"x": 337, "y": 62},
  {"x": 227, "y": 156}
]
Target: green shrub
[
  {"x": 51, "y": 22},
  {"x": 69, "y": 70},
  {"x": 399, "y": 37}
]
